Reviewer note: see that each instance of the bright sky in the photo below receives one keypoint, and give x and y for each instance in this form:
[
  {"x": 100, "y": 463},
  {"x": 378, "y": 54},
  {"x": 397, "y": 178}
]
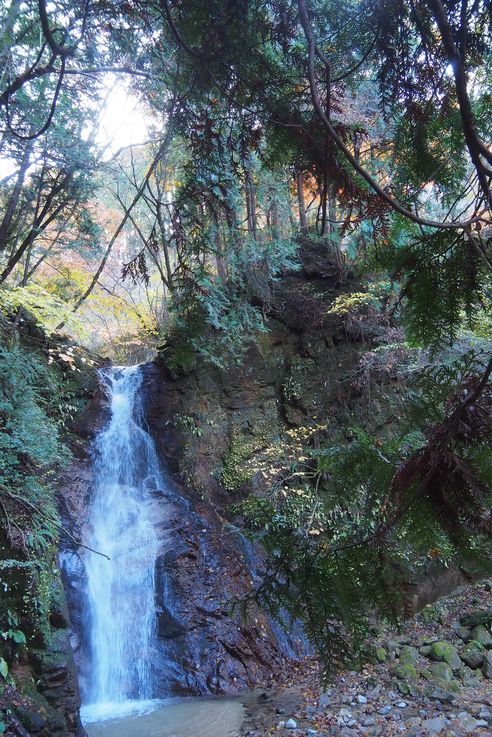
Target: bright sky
[{"x": 123, "y": 121}]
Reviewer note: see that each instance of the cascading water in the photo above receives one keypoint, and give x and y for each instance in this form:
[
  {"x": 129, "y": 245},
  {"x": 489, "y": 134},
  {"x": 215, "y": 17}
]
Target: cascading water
[{"x": 121, "y": 590}]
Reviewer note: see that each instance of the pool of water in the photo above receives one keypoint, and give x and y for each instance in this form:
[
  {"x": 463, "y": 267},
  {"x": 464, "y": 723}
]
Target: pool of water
[{"x": 192, "y": 717}]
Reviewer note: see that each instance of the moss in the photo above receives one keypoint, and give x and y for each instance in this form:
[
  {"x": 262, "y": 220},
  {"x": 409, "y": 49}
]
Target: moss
[
  {"x": 409, "y": 655},
  {"x": 439, "y": 672},
  {"x": 405, "y": 672},
  {"x": 381, "y": 655},
  {"x": 235, "y": 469},
  {"x": 445, "y": 651}
]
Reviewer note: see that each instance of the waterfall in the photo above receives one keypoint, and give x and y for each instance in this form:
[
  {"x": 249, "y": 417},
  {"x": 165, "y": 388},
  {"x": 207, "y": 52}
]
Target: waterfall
[{"x": 121, "y": 590}]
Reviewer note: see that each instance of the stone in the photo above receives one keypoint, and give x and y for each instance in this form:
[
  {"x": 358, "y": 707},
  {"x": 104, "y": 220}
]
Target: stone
[
  {"x": 393, "y": 646},
  {"x": 464, "y": 633},
  {"x": 473, "y": 654},
  {"x": 445, "y": 651},
  {"x": 487, "y": 666},
  {"x": 409, "y": 654},
  {"x": 482, "y": 635},
  {"x": 435, "y": 725},
  {"x": 405, "y": 672},
  {"x": 384, "y": 710},
  {"x": 290, "y": 724},
  {"x": 441, "y": 672},
  {"x": 381, "y": 655},
  {"x": 468, "y": 723},
  {"x": 31, "y": 720},
  {"x": 324, "y": 700},
  {"x": 443, "y": 696},
  {"x": 425, "y": 650},
  {"x": 361, "y": 699},
  {"x": 401, "y": 704},
  {"x": 345, "y": 715},
  {"x": 368, "y": 721},
  {"x": 472, "y": 619},
  {"x": 470, "y": 677}
]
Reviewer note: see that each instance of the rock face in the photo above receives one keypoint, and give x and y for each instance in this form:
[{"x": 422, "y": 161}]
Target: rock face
[
  {"x": 46, "y": 700},
  {"x": 202, "y": 568},
  {"x": 206, "y": 423}
]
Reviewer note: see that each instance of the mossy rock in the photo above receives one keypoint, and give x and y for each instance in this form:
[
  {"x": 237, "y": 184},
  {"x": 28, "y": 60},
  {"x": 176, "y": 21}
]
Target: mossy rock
[
  {"x": 473, "y": 654},
  {"x": 464, "y": 633},
  {"x": 429, "y": 614},
  {"x": 33, "y": 721},
  {"x": 469, "y": 677},
  {"x": 446, "y": 652},
  {"x": 482, "y": 635},
  {"x": 381, "y": 655},
  {"x": 409, "y": 654},
  {"x": 472, "y": 619},
  {"x": 405, "y": 672}
]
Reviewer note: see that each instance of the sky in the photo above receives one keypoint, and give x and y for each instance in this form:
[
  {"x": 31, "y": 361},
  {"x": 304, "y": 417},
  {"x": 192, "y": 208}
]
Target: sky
[{"x": 123, "y": 121}]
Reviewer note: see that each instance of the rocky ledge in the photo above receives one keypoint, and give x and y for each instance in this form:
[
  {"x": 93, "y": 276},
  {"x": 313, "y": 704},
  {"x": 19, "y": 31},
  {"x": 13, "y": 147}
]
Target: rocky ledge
[{"x": 432, "y": 678}]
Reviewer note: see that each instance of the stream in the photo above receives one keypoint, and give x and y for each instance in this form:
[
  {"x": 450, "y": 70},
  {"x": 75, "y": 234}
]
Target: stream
[
  {"x": 122, "y": 698},
  {"x": 194, "y": 717}
]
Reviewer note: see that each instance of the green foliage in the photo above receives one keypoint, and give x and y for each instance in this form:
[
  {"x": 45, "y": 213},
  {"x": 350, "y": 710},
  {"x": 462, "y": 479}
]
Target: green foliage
[
  {"x": 31, "y": 451},
  {"x": 46, "y": 309},
  {"x": 344, "y": 536}
]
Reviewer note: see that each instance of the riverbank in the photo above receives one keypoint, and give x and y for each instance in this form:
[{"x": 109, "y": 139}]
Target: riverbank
[{"x": 432, "y": 678}]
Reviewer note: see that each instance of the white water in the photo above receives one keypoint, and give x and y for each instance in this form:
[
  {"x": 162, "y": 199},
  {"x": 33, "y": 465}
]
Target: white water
[{"x": 121, "y": 589}]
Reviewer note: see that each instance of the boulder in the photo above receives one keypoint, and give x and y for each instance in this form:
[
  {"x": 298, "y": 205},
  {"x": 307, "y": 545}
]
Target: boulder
[
  {"x": 487, "y": 666},
  {"x": 447, "y": 653},
  {"x": 405, "y": 672},
  {"x": 469, "y": 677},
  {"x": 409, "y": 654},
  {"x": 472, "y": 619},
  {"x": 473, "y": 654},
  {"x": 482, "y": 635}
]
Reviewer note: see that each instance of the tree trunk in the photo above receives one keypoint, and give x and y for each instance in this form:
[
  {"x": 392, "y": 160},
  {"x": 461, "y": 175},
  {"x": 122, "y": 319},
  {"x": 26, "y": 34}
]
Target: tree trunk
[
  {"x": 301, "y": 203},
  {"x": 249, "y": 188}
]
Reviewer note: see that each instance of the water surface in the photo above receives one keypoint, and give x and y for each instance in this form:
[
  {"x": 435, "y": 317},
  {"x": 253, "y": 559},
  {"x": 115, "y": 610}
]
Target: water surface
[{"x": 169, "y": 718}]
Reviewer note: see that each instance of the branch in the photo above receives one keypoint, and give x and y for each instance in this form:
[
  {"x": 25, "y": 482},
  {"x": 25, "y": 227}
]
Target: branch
[{"x": 308, "y": 32}]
